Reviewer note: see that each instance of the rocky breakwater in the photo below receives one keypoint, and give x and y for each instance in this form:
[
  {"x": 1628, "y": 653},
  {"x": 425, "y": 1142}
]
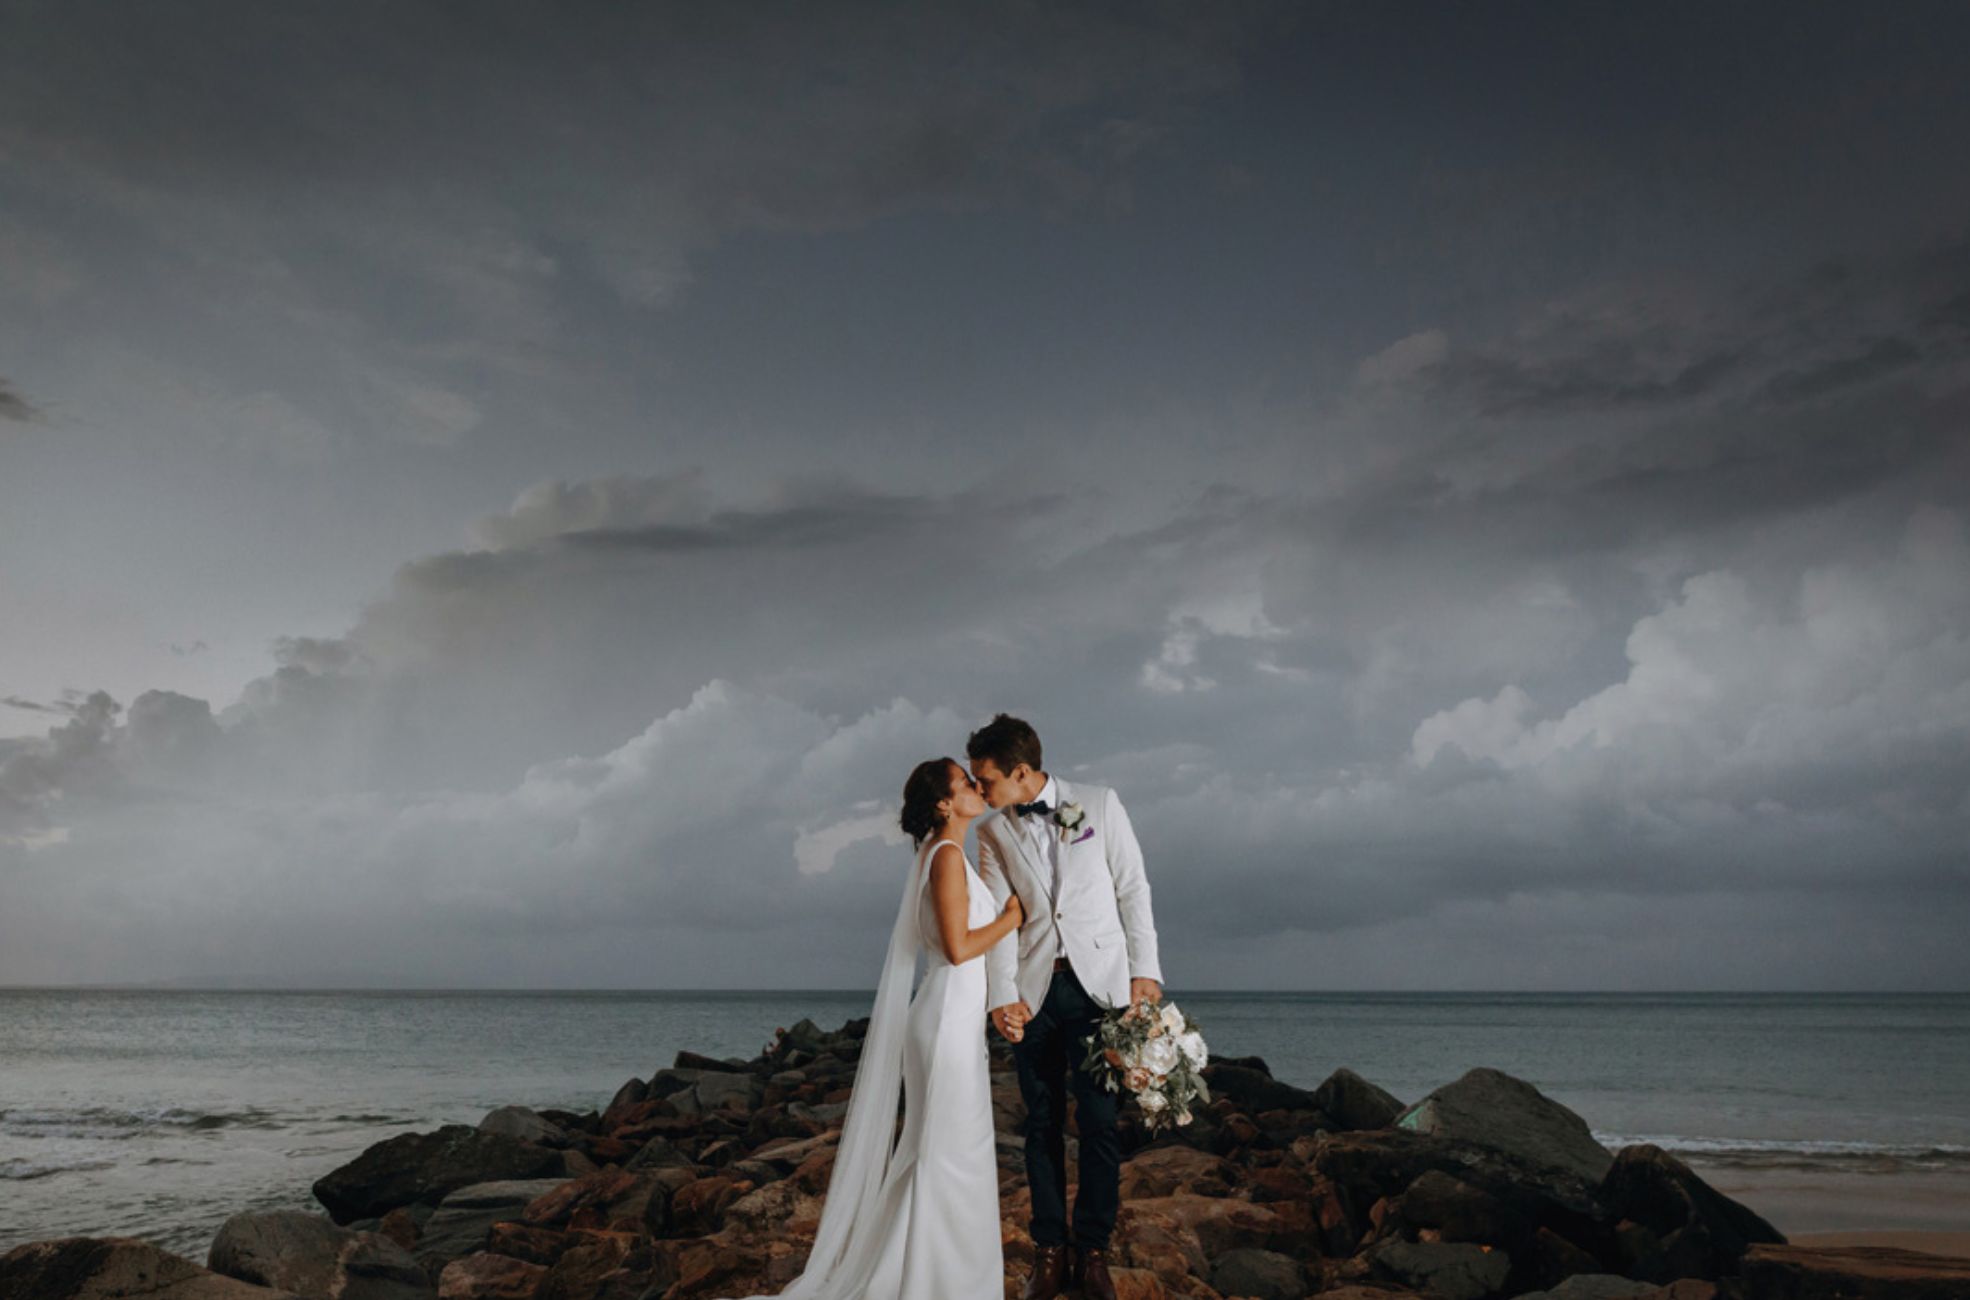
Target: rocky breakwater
[{"x": 707, "y": 1178}]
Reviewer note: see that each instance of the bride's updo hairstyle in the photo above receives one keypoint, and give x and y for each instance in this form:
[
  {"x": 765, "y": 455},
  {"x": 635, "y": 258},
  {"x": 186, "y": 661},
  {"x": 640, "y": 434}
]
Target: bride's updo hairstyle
[{"x": 929, "y": 784}]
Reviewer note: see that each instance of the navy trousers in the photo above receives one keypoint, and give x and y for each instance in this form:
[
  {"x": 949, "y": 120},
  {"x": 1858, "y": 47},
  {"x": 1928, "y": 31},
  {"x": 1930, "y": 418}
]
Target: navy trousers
[{"x": 1049, "y": 1060}]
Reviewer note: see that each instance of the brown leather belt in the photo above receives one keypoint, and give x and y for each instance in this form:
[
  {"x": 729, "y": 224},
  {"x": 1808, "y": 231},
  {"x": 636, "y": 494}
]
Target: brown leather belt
[{"x": 1060, "y": 963}]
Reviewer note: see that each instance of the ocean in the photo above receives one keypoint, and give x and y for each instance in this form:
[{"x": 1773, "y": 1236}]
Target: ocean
[{"x": 159, "y": 1113}]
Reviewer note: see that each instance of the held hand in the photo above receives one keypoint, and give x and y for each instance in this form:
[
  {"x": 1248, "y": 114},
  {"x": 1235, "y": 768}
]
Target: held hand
[
  {"x": 1015, "y": 911},
  {"x": 1010, "y": 1020},
  {"x": 1144, "y": 990}
]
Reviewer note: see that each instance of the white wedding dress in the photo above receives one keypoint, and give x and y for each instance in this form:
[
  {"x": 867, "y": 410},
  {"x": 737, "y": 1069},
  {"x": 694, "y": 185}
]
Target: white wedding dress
[{"x": 919, "y": 1221}]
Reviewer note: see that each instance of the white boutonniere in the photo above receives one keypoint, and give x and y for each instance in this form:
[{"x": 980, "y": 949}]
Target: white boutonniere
[{"x": 1072, "y": 821}]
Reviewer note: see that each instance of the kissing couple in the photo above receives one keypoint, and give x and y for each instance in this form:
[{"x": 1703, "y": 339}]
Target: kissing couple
[{"x": 1048, "y": 931}]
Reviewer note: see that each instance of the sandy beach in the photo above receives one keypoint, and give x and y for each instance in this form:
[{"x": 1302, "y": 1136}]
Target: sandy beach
[{"x": 1923, "y": 1210}]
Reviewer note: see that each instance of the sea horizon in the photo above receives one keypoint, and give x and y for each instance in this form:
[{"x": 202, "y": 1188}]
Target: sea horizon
[{"x": 158, "y": 1111}]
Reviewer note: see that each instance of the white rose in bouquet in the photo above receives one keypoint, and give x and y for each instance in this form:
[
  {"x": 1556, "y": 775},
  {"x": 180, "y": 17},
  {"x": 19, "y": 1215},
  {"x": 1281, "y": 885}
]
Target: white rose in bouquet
[{"x": 1153, "y": 1052}]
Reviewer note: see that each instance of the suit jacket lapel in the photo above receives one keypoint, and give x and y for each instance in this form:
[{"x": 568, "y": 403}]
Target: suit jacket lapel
[{"x": 1014, "y": 836}]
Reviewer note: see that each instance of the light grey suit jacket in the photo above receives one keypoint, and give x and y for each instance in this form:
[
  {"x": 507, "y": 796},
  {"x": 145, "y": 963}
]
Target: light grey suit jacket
[{"x": 1102, "y": 916}]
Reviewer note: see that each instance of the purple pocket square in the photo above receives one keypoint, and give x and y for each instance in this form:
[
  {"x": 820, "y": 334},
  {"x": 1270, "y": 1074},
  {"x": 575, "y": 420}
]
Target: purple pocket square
[{"x": 1083, "y": 837}]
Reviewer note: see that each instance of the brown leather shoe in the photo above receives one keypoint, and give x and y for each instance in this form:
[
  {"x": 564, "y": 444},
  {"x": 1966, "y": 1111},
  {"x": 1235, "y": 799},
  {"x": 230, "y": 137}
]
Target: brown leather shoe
[
  {"x": 1049, "y": 1276},
  {"x": 1093, "y": 1271}
]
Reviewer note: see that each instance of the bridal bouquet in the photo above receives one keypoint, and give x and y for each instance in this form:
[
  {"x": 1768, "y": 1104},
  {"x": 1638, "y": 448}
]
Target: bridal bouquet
[{"x": 1155, "y": 1052}]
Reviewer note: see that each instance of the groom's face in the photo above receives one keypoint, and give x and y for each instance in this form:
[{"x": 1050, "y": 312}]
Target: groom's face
[{"x": 1001, "y": 789}]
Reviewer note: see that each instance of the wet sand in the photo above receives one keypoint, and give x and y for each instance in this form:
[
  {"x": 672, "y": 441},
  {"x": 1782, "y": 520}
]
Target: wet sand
[
  {"x": 1929, "y": 1243},
  {"x": 1924, "y": 1210}
]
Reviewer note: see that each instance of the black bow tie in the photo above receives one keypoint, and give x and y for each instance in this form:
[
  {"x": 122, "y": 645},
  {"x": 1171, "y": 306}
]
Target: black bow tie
[{"x": 1039, "y": 806}]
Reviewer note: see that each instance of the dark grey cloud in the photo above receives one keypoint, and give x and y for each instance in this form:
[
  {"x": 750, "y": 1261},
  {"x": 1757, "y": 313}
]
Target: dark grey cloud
[
  {"x": 33, "y": 776},
  {"x": 15, "y": 407},
  {"x": 324, "y": 245},
  {"x": 709, "y": 735},
  {"x": 1484, "y": 486},
  {"x": 1628, "y": 347}
]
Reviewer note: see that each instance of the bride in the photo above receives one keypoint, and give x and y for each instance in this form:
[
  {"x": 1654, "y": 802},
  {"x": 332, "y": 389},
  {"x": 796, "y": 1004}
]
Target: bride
[{"x": 921, "y": 1218}]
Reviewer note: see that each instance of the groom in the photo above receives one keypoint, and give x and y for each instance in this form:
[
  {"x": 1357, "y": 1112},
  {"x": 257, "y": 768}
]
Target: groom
[{"x": 1087, "y": 944}]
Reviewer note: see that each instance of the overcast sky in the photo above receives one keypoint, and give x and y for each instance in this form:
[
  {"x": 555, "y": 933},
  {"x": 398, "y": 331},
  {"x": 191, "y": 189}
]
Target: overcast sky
[{"x": 501, "y": 495}]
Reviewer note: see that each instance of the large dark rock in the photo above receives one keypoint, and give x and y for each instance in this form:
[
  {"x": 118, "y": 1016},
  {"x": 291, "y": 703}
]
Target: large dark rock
[
  {"x": 491, "y": 1277},
  {"x": 1354, "y": 1103},
  {"x": 1443, "y": 1270},
  {"x": 305, "y": 1253},
  {"x": 462, "y": 1223},
  {"x": 1492, "y": 1109},
  {"x": 525, "y": 1124},
  {"x": 715, "y": 1091},
  {"x": 1261, "y": 1274},
  {"x": 1458, "y": 1211},
  {"x": 1770, "y": 1272},
  {"x": 1687, "y": 1228},
  {"x": 628, "y": 1095},
  {"x": 1595, "y": 1286},
  {"x": 1255, "y": 1091},
  {"x": 687, "y": 1060},
  {"x": 657, "y": 1153},
  {"x": 1384, "y": 1162},
  {"x": 112, "y": 1268},
  {"x": 424, "y": 1167}
]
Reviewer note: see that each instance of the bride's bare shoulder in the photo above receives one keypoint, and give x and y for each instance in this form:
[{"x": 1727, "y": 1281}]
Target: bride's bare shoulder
[{"x": 947, "y": 857}]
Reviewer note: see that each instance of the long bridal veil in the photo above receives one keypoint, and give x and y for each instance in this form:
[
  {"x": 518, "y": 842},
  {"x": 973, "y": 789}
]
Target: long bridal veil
[{"x": 850, "y": 1231}]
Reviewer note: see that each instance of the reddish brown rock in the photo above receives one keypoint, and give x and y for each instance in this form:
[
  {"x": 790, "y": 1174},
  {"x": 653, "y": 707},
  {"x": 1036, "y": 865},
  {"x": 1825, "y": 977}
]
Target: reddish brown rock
[
  {"x": 1167, "y": 1171},
  {"x": 715, "y": 1267},
  {"x": 401, "y": 1226},
  {"x": 1138, "y": 1284},
  {"x": 1340, "y": 1232},
  {"x": 1278, "y": 1183},
  {"x": 628, "y": 1114},
  {"x": 699, "y": 1206},
  {"x": 1155, "y": 1241},
  {"x": 1689, "y": 1288},
  {"x": 523, "y": 1241},
  {"x": 490, "y": 1277},
  {"x": 1221, "y": 1224},
  {"x": 610, "y": 1151},
  {"x": 561, "y": 1204},
  {"x": 606, "y": 1266},
  {"x": 771, "y": 1209},
  {"x": 814, "y": 1172}
]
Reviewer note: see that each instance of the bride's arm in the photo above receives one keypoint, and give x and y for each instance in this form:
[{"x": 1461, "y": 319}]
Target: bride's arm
[
  {"x": 953, "y": 902},
  {"x": 1002, "y": 962}
]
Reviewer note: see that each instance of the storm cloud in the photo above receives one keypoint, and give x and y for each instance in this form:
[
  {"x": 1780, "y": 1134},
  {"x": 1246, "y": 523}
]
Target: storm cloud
[{"x": 521, "y": 513}]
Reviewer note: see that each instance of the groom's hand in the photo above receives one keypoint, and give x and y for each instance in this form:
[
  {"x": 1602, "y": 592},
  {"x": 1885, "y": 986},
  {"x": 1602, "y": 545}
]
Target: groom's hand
[
  {"x": 1010, "y": 1020},
  {"x": 1144, "y": 990}
]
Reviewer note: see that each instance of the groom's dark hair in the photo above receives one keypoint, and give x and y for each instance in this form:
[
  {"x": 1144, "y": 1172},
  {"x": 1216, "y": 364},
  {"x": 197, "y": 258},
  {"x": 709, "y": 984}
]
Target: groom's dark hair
[{"x": 1008, "y": 742}]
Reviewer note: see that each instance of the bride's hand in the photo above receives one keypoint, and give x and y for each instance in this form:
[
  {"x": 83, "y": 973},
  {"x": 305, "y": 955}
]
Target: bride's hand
[{"x": 1015, "y": 911}]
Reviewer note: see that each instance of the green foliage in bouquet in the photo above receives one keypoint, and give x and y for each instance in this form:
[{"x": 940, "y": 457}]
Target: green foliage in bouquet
[{"x": 1156, "y": 1053}]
